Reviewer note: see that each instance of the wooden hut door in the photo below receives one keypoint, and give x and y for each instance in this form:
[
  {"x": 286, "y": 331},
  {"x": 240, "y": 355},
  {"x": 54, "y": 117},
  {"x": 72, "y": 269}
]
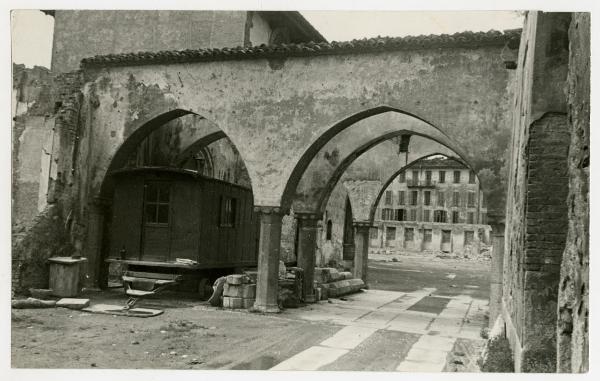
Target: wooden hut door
[{"x": 156, "y": 235}]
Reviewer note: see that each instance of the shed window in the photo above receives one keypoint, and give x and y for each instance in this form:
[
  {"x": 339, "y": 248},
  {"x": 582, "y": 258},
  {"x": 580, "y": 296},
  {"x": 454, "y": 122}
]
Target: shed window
[
  {"x": 227, "y": 212},
  {"x": 156, "y": 202}
]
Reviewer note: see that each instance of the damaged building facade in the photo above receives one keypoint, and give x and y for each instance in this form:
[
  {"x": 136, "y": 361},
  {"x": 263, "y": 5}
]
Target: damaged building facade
[
  {"x": 434, "y": 204},
  {"x": 259, "y": 102}
]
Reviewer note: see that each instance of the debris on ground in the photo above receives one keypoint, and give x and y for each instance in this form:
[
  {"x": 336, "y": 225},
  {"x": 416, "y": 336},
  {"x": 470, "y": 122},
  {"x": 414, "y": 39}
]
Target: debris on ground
[{"x": 33, "y": 303}]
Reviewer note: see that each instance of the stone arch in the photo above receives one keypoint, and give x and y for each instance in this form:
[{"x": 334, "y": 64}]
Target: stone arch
[
  {"x": 197, "y": 145},
  {"x": 339, "y": 171},
  {"x": 428, "y": 130}
]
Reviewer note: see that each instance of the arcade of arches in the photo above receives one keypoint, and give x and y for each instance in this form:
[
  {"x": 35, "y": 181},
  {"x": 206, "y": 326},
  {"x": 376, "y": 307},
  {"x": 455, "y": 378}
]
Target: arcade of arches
[{"x": 307, "y": 127}]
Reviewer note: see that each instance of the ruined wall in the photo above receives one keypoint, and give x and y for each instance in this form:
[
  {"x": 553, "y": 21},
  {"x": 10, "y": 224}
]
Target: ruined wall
[
  {"x": 86, "y": 33},
  {"x": 536, "y": 209},
  {"x": 573, "y": 297},
  {"x": 33, "y": 120},
  {"x": 330, "y": 252}
]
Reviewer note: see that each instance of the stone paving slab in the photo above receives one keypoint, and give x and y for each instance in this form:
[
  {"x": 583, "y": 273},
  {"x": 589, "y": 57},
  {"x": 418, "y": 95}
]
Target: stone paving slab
[
  {"x": 311, "y": 359},
  {"x": 435, "y": 342},
  {"x": 426, "y": 355},
  {"x": 348, "y": 337}
]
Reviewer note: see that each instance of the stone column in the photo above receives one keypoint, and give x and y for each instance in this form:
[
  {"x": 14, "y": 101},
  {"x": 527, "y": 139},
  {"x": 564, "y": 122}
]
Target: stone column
[
  {"x": 307, "y": 245},
  {"x": 496, "y": 270},
  {"x": 361, "y": 254},
  {"x": 267, "y": 286}
]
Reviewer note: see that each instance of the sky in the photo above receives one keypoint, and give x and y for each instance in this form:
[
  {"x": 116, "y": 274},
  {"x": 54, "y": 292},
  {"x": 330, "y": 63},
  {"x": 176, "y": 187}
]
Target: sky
[{"x": 32, "y": 30}]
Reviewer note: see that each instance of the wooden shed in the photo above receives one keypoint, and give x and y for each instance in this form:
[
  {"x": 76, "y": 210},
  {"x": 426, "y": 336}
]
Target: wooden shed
[{"x": 160, "y": 215}]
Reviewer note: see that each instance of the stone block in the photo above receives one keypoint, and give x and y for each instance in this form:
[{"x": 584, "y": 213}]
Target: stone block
[
  {"x": 235, "y": 279},
  {"x": 248, "y": 302},
  {"x": 248, "y": 291},
  {"x": 252, "y": 276},
  {"x": 232, "y": 302},
  {"x": 233, "y": 290},
  {"x": 346, "y": 275},
  {"x": 73, "y": 303},
  {"x": 41, "y": 293}
]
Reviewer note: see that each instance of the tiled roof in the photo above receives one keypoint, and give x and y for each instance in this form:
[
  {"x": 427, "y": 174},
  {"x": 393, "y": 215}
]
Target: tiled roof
[{"x": 377, "y": 44}]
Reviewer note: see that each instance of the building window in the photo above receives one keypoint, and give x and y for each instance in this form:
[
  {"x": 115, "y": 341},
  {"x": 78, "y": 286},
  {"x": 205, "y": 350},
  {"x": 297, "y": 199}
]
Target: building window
[
  {"x": 428, "y": 177},
  {"x": 400, "y": 215},
  {"x": 446, "y": 236},
  {"x": 440, "y": 198},
  {"x": 402, "y": 177},
  {"x": 227, "y": 212},
  {"x": 387, "y": 214},
  {"x": 471, "y": 199},
  {"x": 470, "y": 218},
  {"x": 427, "y": 235},
  {"x": 373, "y": 233},
  {"x": 409, "y": 234},
  {"x": 483, "y": 218},
  {"x": 439, "y": 216},
  {"x": 455, "y": 199},
  {"x": 471, "y": 177},
  {"x": 415, "y": 177},
  {"x": 413, "y": 215},
  {"x": 388, "y": 197},
  {"x": 468, "y": 237},
  {"x": 401, "y": 197},
  {"x": 456, "y": 177},
  {"x": 442, "y": 176},
  {"x": 427, "y": 200},
  {"x": 156, "y": 203},
  {"x": 390, "y": 233},
  {"x": 329, "y": 230},
  {"x": 426, "y": 214},
  {"x": 414, "y": 195},
  {"x": 455, "y": 217}
]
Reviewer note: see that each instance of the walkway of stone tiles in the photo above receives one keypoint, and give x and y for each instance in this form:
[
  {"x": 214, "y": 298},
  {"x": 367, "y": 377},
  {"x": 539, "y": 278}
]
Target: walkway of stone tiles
[{"x": 365, "y": 313}]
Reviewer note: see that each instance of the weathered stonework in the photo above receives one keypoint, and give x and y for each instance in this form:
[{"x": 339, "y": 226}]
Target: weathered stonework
[{"x": 573, "y": 294}]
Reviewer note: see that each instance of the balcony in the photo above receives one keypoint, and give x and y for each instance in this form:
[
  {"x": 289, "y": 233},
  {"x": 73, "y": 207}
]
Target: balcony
[{"x": 421, "y": 183}]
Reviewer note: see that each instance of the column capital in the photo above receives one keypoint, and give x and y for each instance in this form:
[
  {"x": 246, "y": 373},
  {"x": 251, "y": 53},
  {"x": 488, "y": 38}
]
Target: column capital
[{"x": 264, "y": 209}]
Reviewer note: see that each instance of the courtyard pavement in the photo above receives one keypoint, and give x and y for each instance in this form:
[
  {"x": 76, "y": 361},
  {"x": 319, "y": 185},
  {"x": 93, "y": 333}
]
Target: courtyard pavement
[{"x": 435, "y": 321}]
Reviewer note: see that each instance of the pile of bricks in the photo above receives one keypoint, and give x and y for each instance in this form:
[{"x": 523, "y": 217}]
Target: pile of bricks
[
  {"x": 239, "y": 292},
  {"x": 331, "y": 283}
]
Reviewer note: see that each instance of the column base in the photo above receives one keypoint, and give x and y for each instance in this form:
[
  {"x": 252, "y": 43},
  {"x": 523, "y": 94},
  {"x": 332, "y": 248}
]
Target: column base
[{"x": 270, "y": 309}]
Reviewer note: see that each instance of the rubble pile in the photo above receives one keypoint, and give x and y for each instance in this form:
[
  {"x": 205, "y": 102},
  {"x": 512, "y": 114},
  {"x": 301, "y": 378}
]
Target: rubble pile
[{"x": 239, "y": 291}]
